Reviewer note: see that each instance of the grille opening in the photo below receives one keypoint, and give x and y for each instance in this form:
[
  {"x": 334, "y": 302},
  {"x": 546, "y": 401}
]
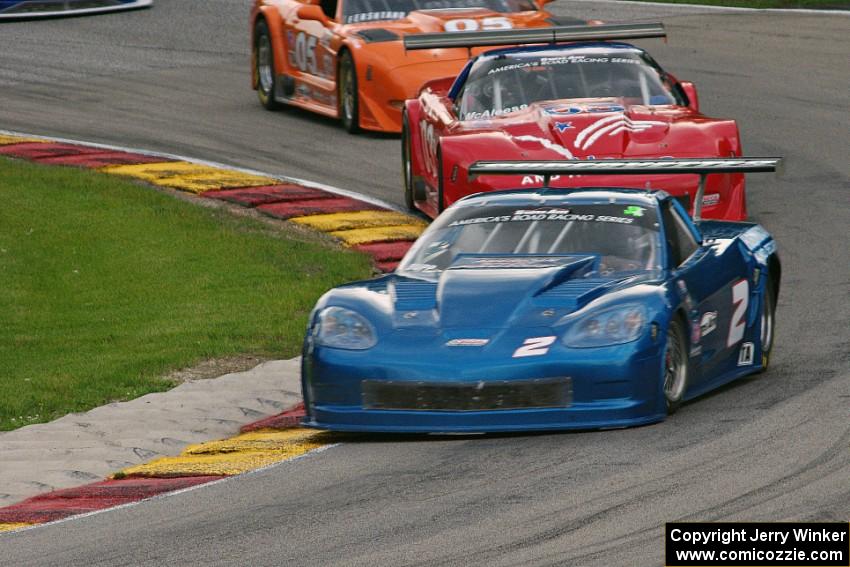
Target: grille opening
[{"x": 467, "y": 396}]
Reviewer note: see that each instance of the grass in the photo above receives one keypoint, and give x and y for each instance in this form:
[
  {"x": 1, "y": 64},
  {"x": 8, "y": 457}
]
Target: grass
[
  {"x": 811, "y": 4},
  {"x": 106, "y": 286}
]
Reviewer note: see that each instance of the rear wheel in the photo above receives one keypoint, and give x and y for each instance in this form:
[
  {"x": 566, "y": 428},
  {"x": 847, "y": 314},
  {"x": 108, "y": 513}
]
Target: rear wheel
[
  {"x": 768, "y": 321},
  {"x": 349, "y": 99},
  {"x": 406, "y": 166},
  {"x": 264, "y": 73},
  {"x": 675, "y": 366}
]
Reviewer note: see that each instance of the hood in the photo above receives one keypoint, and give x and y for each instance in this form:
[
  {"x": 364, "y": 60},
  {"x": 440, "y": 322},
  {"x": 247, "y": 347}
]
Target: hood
[
  {"x": 492, "y": 291},
  {"x": 585, "y": 129}
]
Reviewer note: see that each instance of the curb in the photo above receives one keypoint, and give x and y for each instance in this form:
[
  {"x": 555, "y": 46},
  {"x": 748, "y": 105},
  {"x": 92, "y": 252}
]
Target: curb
[
  {"x": 357, "y": 221},
  {"x": 260, "y": 444}
]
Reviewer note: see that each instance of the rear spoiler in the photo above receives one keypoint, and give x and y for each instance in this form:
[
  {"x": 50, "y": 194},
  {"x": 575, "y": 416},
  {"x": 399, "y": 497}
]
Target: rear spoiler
[
  {"x": 700, "y": 166},
  {"x": 605, "y": 32}
]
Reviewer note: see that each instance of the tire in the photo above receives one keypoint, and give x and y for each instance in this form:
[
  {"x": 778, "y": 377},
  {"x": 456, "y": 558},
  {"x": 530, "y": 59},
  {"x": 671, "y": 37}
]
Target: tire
[
  {"x": 264, "y": 73},
  {"x": 406, "y": 165},
  {"x": 675, "y": 368},
  {"x": 768, "y": 324},
  {"x": 348, "y": 95}
]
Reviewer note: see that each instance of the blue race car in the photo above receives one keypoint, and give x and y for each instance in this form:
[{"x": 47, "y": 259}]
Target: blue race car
[
  {"x": 26, "y": 9},
  {"x": 548, "y": 309}
]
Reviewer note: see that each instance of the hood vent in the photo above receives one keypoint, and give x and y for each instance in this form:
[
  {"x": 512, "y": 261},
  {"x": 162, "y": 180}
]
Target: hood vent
[
  {"x": 377, "y": 35},
  {"x": 415, "y": 295}
]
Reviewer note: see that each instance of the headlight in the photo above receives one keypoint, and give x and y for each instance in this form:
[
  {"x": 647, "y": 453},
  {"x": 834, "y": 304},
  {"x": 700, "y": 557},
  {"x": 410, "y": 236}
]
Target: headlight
[
  {"x": 343, "y": 328},
  {"x": 612, "y": 326}
]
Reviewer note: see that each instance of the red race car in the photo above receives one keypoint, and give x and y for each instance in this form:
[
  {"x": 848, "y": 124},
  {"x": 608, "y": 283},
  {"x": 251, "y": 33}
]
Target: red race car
[{"x": 589, "y": 99}]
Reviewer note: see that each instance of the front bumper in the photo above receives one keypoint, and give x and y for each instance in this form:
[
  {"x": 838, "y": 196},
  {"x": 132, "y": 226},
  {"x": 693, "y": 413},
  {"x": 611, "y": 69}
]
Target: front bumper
[{"x": 611, "y": 387}]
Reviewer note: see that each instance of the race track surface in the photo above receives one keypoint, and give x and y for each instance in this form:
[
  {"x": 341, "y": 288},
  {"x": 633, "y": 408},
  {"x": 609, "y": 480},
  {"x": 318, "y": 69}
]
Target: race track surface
[{"x": 772, "y": 447}]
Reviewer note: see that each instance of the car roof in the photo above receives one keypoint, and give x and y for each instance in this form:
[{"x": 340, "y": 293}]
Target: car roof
[{"x": 565, "y": 196}]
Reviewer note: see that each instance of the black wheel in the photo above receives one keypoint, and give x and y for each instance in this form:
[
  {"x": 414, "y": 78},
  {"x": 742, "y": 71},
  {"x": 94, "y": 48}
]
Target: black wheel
[
  {"x": 349, "y": 99},
  {"x": 264, "y": 73},
  {"x": 441, "y": 199},
  {"x": 675, "y": 366},
  {"x": 406, "y": 167},
  {"x": 768, "y": 322}
]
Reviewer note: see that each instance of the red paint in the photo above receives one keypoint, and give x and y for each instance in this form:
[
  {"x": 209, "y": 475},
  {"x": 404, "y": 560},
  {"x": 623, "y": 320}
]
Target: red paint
[
  {"x": 255, "y": 196},
  {"x": 284, "y": 420},
  {"x": 101, "y": 159},
  {"x": 41, "y": 150},
  {"x": 97, "y": 496},
  {"x": 315, "y": 207},
  {"x": 386, "y": 251}
]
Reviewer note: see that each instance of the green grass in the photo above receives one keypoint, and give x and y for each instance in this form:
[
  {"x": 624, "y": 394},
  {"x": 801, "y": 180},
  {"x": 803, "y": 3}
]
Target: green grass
[
  {"x": 816, "y": 4},
  {"x": 106, "y": 286}
]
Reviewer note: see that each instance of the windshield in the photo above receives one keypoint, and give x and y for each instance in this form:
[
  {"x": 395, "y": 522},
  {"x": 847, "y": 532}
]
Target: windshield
[
  {"x": 625, "y": 236},
  {"x": 357, "y": 11},
  {"x": 510, "y": 82}
]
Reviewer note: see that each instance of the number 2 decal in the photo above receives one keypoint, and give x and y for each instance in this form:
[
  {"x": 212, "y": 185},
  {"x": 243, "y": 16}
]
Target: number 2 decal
[
  {"x": 740, "y": 300},
  {"x": 535, "y": 346}
]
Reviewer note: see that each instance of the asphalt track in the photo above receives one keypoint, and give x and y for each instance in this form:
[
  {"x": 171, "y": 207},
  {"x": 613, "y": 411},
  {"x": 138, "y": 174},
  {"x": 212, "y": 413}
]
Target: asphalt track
[{"x": 773, "y": 447}]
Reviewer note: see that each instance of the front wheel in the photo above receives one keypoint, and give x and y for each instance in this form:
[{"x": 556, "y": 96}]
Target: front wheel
[
  {"x": 768, "y": 322},
  {"x": 675, "y": 367},
  {"x": 264, "y": 73},
  {"x": 349, "y": 100}
]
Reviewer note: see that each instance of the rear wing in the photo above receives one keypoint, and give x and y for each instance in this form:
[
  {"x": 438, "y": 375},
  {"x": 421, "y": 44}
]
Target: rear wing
[
  {"x": 605, "y": 32},
  {"x": 700, "y": 166}
]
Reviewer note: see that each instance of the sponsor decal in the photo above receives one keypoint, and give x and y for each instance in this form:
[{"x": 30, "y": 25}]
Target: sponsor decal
[
  {"x": 559, "y": 60},
  {"x": 711, "y": 199},
  {"x": 634, "y": 211},
  {"x": 695, "y": 351},
  {"x": 494, "y": 112},
  {"x": 563, "y": 126},
  {"x": 374, "y": 16},
  {"x": 467, "y": 342},
  {"x": 708, "y": 323},
  {"x": 544, "y": 215},
  {"x": 534, "y": 346},
  {"x": 613, "y": 125},
  {"x": 592, "y": 108},
  {"x": 518, "y": 262},
  {"x": 745, "y": 355}
]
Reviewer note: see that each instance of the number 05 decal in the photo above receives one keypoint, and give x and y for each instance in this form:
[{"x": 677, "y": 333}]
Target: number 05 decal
[
  {"x": 740, "y": 300},
  {"x": 535, "y": 346},
  {"x": 468, "y": 24}
]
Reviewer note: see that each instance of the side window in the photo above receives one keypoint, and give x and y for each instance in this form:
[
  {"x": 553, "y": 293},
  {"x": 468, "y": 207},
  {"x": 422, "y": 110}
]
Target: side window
[{"x": 680, "y": 241}]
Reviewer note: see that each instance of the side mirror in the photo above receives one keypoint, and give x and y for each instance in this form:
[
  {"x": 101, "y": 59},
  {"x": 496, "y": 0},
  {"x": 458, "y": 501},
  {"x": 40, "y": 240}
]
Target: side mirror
[
  {"x": 312, "y": 12},
  {"x": 690, "y": 91}
]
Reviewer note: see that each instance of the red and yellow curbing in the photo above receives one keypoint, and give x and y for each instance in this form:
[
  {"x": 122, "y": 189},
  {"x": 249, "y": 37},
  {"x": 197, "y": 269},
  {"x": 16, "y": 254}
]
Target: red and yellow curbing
[
  {"x": 198, "y": 464},
  {"x": 356, "y": 223},
  {"x": 363, "y": 225}
]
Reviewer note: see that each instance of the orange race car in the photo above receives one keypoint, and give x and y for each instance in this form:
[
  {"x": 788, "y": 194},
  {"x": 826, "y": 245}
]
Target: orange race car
[{"x": 346, "y": 58}]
